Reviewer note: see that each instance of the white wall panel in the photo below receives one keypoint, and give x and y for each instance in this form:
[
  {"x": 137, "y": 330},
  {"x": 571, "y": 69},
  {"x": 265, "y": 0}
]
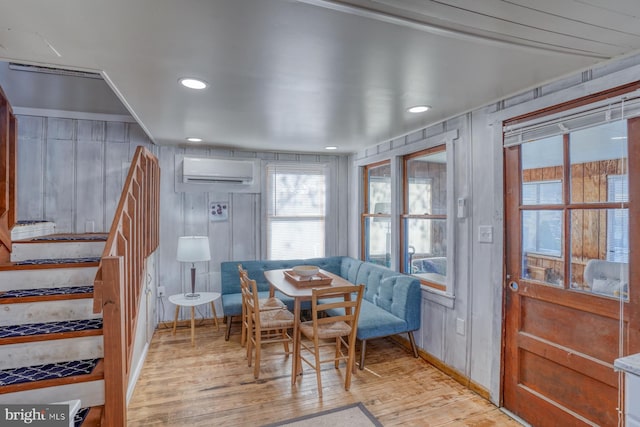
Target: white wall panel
[
  {"x": 60, "y": 164},
  {"x": 90, "y": 188},
  {"x": 31, "y": 131}
]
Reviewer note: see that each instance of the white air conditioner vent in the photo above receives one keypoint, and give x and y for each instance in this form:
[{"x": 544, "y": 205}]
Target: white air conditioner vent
[{"x": 209, "y": 170}]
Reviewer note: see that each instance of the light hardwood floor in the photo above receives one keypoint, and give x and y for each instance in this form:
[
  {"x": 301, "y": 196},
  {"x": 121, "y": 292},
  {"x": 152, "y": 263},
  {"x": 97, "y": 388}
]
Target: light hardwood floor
[{"x": 210, "y": 385}]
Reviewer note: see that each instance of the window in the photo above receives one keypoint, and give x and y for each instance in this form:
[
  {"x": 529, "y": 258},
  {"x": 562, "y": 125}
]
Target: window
[
  {"x": 424, "y": 219},
  {"x": 296, "y": 209},
  {"x": 376, "y": 216},
  {"x": 542, "y": 229}
]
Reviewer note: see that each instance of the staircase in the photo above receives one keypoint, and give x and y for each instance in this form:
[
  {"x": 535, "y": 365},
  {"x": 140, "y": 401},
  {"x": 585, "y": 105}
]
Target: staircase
[{"x": 51, "y": 342}]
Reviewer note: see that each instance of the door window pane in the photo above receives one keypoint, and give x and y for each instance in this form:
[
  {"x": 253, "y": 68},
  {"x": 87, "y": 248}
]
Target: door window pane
[
  {"x": 542, "y": 171},
  {"x": 542, "y": 246},
  {"x": 600, "y": 251},
  {"x": 596, "y": 154}
]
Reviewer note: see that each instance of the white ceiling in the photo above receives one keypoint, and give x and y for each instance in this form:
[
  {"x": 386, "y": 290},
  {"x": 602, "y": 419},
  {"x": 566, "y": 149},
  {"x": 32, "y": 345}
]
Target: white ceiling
[{"x": 299, "y": 75}]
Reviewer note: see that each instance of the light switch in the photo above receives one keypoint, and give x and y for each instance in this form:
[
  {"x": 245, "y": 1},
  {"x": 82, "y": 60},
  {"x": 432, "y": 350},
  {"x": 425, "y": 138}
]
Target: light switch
[
  {"x": 485, "y": 234},
  {"x": 462, "y": 208}
]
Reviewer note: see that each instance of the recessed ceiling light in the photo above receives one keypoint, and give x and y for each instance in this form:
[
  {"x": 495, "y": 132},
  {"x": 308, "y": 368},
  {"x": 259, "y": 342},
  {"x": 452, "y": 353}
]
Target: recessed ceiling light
[
  {"x": 330, "y": 147},
  {"x": 192, "y": 139},
  {"x": 419, "y": 108},
  {"x": 618, "y": 137},
  {"x": 192, "y": 83}
]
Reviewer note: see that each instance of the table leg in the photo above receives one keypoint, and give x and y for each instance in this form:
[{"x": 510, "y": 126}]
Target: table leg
[
  {"x": 193, "y": 326},
  {"x": 295, "y": 364},
  {"x": 215, "y": 316},
  {"x": 175, "y": 319}
]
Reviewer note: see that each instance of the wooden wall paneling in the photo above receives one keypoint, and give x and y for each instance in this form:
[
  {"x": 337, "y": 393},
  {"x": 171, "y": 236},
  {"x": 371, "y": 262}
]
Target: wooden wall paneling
[
  {"x": 90, "y": 177},
  {"x": 194, "y": 223},
  {"x": 31, "y": 167},
  {"x": 116, "y": 159},
  {"x": 602, "y": 233},
  {"x": 171, "y": 220},
  {"x": 245, "y": 226},
  {"x": 434, "y": 331},
  {"x": 592, "y": 182},
  {"x": 577, "y": 183},
  {"x": 117, "y": 132},
  {"x": 591, "y": 234},
  {"x": 59, "y": 197}
]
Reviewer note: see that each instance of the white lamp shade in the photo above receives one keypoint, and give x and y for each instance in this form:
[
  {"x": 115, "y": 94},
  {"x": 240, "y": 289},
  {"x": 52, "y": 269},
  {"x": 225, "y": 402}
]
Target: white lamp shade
[{"x": 193, "y": 249}]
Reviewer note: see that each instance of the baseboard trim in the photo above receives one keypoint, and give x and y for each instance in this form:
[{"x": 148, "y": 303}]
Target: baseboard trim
[
  {"x": 168, "y": 324},
  {"x": 453, "y": 373}
]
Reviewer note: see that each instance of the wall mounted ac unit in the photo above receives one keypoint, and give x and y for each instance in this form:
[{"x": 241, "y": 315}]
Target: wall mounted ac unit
[{"x": 209, "y": 170}]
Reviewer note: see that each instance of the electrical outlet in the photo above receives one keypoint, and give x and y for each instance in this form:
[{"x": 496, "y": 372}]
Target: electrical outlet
[{"x": 161, "y": 291}]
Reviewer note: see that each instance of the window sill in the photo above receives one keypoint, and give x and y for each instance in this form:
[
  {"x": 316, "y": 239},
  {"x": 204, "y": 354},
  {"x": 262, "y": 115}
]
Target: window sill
[{"x": 437, "y": 296}]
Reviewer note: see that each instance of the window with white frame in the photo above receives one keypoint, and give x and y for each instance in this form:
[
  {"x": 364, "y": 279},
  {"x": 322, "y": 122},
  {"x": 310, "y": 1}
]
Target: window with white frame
[
  {"x": 424, "y": 224},
  {"x": 376, "y": 215},
  {"x": 296, "y": 209}
]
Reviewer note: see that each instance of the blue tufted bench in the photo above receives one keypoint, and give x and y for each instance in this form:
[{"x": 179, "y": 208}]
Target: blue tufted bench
[{"x": 390, "y": 306}]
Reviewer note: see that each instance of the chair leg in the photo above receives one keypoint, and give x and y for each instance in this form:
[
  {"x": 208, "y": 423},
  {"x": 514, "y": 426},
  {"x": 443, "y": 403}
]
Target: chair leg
[
  {"x": 363, "y": 350},
  {"x": 413, "y": 344},
  {"x": 316, "y": 348},
  {"x": 297, "y": 361},
  {"x": 243, "y": 336},
  {"x": 228, "y": 332},
  {"x": 285, "y": 342},
  {"x": 336, "y": 356},
  {"x": 350, "y": 363},
  {"x": 256, "y": 366}
]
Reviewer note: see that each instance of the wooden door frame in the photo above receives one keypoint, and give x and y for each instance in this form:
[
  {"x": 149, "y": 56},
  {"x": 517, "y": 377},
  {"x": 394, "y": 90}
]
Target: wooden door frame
[{"x": 511, "y": 190}]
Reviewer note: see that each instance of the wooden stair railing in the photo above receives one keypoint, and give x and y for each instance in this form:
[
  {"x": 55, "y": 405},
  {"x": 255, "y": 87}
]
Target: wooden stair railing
[
  {"x": 8, "y": 184},
  {"x": 119, "y": 281}
]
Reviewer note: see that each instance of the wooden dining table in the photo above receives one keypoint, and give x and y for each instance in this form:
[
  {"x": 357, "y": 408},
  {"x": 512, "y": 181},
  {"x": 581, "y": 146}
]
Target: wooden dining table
[{"x": 299, "y": 293}]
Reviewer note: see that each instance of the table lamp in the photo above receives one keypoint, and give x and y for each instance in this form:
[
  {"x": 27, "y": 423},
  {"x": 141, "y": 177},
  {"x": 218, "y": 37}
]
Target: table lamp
[{"x": 193, "y": 249}]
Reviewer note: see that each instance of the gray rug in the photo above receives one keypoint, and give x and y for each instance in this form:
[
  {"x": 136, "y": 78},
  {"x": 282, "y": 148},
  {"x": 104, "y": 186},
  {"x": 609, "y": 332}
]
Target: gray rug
[{"x": 355, "y": 415}]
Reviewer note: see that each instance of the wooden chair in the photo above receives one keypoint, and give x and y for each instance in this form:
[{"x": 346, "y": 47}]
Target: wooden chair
[
  {"x": 270, "y": 303},
  {"x": 324, "y": 330},
  {"x": 264, "y": 326}
]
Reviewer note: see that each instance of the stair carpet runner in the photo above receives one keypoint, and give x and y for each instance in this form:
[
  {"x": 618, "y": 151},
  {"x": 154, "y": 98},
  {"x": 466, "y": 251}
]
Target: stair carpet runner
[{"x": 26, "y": 332}]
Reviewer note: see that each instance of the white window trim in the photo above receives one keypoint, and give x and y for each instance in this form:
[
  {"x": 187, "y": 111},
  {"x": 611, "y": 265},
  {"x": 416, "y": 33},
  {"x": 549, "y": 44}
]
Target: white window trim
[
  {"x": 395, "y": 155},
  {"x": 330, "y": 218}
]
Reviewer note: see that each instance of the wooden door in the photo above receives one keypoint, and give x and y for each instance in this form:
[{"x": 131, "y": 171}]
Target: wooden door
[
  {"x": 570, "y": 303},
  {"x": 8, "y": 185}
]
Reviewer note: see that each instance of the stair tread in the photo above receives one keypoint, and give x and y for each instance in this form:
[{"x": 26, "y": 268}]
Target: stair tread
[
  {"x": 45, "y": 292},
  {"x": 49, "y": 371},
  {"x": 45, "y": 261},
  {"x": 90, "y": 417},
  {"x": 80, "y": 416},
  {"x": 84, "y": 237},
  {"x": 46, "y": 328}
]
